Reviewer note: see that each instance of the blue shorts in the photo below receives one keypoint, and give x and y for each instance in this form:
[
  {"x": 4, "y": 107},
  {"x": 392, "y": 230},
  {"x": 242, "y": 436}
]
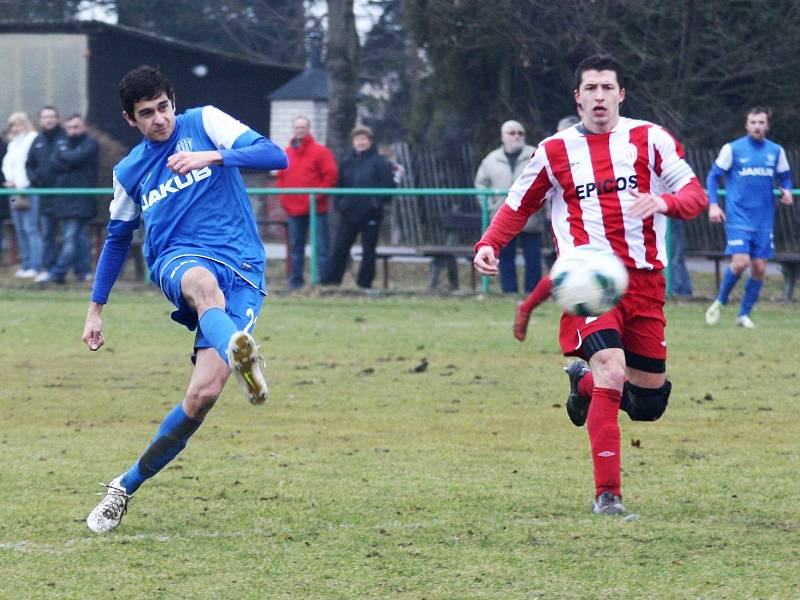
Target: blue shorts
[
  {"x": 756, "y": 244},
  {"x": 242, "y": 300}
]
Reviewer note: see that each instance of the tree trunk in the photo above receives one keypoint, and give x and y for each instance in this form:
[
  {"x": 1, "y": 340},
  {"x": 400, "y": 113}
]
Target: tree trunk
[{"x": 342, "y": 63}]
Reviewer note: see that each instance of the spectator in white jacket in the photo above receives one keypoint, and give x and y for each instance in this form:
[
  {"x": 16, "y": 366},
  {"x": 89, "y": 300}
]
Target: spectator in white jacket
[{"x": 24, "y": 209}]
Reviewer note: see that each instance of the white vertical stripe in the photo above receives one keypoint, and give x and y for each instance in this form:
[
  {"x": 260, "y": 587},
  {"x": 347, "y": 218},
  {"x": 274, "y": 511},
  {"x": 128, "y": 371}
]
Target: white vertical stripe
[
  {"x": 123, "y": 207},
  {"x": 222, "y": 128}
]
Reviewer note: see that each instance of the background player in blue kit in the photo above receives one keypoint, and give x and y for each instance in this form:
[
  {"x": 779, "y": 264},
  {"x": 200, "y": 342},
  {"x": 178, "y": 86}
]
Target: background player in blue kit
[
  {"x": 749, "y": 165},
  {"x": 202, "y": 248}
]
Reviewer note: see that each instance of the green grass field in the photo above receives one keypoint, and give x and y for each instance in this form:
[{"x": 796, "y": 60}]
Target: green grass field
[{"x": 369, "y": 476}]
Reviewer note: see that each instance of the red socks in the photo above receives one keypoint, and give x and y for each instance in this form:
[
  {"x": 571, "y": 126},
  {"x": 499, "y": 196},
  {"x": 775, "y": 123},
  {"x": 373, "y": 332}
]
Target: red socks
[
  {"x": 604, "y": 438},
  {"x": 539, "y": 294},
  {"x": 586, "y": 385}
]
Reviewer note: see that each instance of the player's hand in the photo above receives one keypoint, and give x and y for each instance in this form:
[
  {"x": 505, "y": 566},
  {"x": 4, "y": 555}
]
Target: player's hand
[
  {"x": 485, "y": 261},
  {"x": 183, "y": 162},
  {"x": 93, "y": 330},
  {"x": 715, "y": 213},
  {"x": 786, "y": 196},
  {"x": 646, "y": 204}
]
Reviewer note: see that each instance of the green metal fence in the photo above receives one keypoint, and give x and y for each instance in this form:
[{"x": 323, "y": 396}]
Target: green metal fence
[{"x": 314, "y": 193}]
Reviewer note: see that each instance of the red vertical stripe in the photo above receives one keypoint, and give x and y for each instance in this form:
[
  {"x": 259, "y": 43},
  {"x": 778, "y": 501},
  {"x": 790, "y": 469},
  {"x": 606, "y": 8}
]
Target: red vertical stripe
[
  {"x": 610, "y": 207},
  {"x": 638, "y": 137},
  {"x": 556, "y": 152}
]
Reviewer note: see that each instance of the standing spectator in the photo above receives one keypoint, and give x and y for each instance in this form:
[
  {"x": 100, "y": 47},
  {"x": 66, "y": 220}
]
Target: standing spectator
[
  {"x": 311, "y": 165},
  {"x": 363, "y": 167},
  {"x": 680, "y": 279},
  {"x": 24, "y": 209},
  {"x": 42, "y": 175},
  {"x": 4, "y": 211},
  {"x": 498, "y": 170},
  {"x": 75, "y": 164},
  {"x": 749, "y": 166}
]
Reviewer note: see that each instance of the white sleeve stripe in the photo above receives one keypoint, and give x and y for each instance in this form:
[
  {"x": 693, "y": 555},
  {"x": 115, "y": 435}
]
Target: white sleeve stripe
[
  {"x": 725, "y": 158},
  {"x": 783, "y": 164},
  {"x": 222, "y": 128},
  {"x": 123, "y": 207},
  {"x": 677, "y": 175}
]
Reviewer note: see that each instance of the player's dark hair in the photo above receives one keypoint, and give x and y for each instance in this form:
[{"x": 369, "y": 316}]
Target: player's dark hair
[
  {"x": 143, "y": 83},
  {"x": 74, "y": 116},
  {"x": 599, "y": 62},
  {"x": 757, "y": 110},
  {"x": 48, "y": 107}
]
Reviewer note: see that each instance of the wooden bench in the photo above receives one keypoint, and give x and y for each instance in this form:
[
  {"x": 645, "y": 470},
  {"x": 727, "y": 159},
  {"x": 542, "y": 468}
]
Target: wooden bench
[{"x": 707, "y": 240}]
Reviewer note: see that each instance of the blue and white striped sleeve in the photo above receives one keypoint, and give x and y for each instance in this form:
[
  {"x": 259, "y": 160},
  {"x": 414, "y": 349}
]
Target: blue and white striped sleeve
[
  {"x": 239, "y": 145},
  {"x": 124, "y": 219},
  {"x": 784, "y": 171}
]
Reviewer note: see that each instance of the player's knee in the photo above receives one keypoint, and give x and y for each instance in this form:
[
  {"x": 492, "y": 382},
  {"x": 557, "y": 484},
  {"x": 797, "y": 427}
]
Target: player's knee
[
  {"x": 739, "y": 263},
  {"x": 645, "y": 404},
  {"x": 759, "y": 268},
  {"x": 608, "y": 369},
  {"x": 201, "y": 396}
]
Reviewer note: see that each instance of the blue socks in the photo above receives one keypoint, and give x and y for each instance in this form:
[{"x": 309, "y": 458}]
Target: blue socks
[
  {"x": 729, "y": 280},
  {"x": 218, "y": 328},
  {"x": 751, "y": 291},
  {"x": 171, "y": 438}
]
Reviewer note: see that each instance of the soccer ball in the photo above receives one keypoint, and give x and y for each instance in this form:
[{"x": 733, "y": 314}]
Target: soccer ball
[{"x": 588, "y": 281}]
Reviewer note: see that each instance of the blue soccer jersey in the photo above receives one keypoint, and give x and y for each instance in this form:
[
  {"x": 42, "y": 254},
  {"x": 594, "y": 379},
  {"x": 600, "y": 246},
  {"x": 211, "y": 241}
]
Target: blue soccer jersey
[
  {"x": 749, "y": 168},
  {"x": 205, "y": 212}
]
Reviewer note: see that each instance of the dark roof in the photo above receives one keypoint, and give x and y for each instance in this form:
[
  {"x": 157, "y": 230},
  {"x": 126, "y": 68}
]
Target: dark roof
[
  {"x": 90, "y": 27},
  {"x": 311, "y": 84}
]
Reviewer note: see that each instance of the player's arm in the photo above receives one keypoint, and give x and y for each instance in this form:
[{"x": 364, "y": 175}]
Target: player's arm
[
  {"x": 329, "y": 172},
  {"x": 784, "y": 178},
  {"x": 686, "y": 198},
  {"x": 525, "y": 197},
  {"x": 237, "y": 146},
  {"x": 720, "y": 168},
  {"x": 124, "y": 219}
]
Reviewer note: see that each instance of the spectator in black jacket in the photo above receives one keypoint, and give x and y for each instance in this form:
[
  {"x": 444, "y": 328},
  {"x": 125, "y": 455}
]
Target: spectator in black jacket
[
  {"x": 42, "y": 175},
  {"x": 363, "y": 167},
  {"x": 75, "y": 165}
]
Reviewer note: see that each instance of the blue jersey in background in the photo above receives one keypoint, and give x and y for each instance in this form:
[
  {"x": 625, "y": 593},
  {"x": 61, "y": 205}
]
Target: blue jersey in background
[
  {"x": 205, "y": 212},
  {"x": 749, "y": 168}
]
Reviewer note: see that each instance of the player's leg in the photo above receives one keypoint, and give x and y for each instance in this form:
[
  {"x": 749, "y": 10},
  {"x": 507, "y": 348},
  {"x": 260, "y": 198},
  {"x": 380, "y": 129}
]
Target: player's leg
[
  {"x": 522, "y": 315},
  {"x": 761, "y": 249},
  {"x": 738, "y": 250},
  {"x": 208, "y": 379},
  {"x": 608, "y": 371}
]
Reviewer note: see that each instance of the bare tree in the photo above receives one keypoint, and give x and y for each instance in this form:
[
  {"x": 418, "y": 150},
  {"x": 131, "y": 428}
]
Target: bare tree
[{"x": 342, "y": 63}]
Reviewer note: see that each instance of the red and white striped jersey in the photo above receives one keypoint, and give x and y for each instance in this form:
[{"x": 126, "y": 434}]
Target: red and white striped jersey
[{"x": 589, "y": 178}]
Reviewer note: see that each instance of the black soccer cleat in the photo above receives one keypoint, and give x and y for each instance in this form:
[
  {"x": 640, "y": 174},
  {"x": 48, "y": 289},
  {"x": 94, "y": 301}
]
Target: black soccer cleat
[{"x": 577, "y": 407}]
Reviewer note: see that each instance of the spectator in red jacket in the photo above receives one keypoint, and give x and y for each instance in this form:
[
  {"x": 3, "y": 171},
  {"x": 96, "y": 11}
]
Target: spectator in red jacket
[{"x": 311, "y": 165}]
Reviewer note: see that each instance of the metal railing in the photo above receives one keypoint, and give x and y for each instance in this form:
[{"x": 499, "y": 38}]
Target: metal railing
[{"x": 313, "y": 193}]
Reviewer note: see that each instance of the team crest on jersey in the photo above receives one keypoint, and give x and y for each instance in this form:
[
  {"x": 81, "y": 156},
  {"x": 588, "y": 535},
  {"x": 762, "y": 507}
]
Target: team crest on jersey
[
  {"x": 184, "y": 145},
  {"x": 770, "y": 159},
  {"x": 631, "y": 153}
]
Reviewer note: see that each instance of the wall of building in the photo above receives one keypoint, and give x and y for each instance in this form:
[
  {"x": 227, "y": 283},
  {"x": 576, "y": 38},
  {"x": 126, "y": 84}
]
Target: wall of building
[
  {"x": 283, "y": 112},
  {"x": 43, "y": 69}
]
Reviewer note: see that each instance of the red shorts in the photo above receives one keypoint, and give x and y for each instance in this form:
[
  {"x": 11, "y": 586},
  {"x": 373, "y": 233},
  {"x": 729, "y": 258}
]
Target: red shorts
[{"x": 639, "y": 319}]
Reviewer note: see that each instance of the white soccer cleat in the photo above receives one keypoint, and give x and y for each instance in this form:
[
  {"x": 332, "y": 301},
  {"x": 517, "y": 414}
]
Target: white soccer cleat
[
  {"x": 243, "y": 361},
  {"x": 107, "y": 515},
  {"x": 608, "y": 504},
  {"x": 713, "y": 312},
  {"x": 745, "y": 321}
]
